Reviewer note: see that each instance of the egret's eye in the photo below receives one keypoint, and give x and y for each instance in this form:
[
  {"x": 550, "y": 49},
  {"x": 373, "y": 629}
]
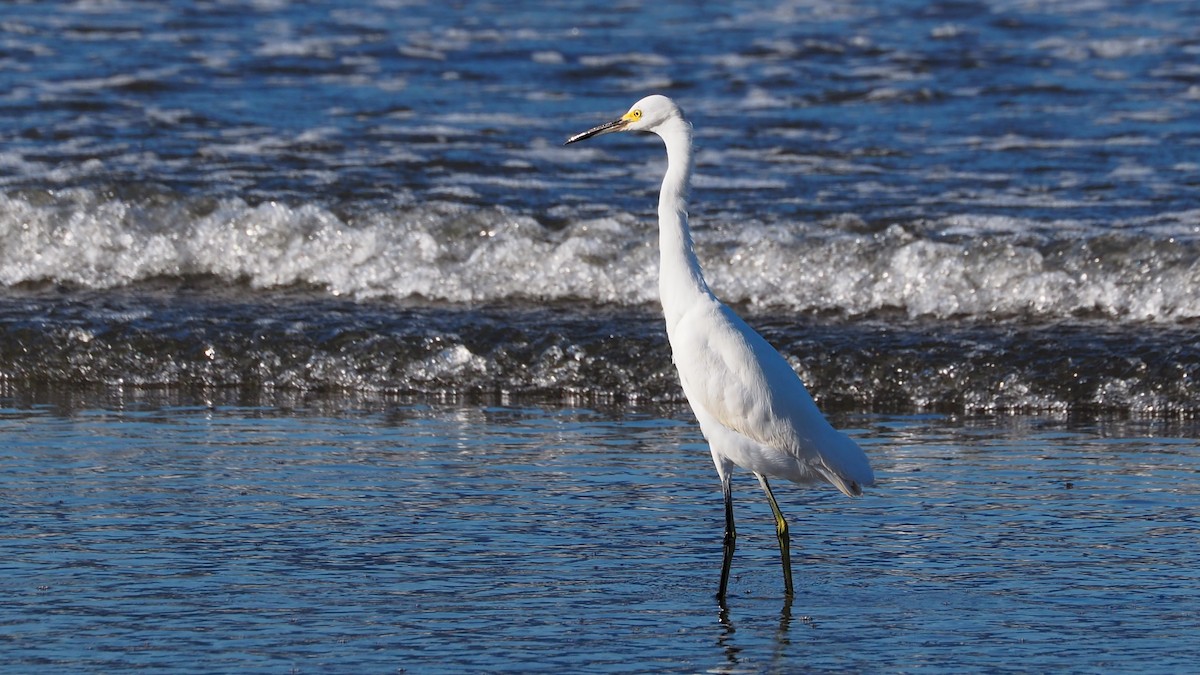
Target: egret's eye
[{"x": 635, "y": 115}]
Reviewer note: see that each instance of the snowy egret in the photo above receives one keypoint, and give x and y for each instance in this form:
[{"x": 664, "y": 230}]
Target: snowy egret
[{"x": 752, "y": 408}]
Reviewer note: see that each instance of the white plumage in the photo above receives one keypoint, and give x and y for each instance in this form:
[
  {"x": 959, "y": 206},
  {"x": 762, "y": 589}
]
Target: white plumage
[{"x": 752, "y": 408}]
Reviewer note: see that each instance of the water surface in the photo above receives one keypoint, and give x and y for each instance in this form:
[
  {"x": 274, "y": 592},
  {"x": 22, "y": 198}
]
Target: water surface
[
  {"x": 319, "y": 352},
  {"x": 443, "y": 538}
]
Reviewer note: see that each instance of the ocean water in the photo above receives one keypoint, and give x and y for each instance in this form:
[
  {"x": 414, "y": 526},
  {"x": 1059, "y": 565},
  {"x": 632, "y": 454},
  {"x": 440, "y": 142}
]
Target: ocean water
[
  {"x": 418, "y": 538},
  {"x": 271, "y": 194},
  {"x": 320, "y": 353}
]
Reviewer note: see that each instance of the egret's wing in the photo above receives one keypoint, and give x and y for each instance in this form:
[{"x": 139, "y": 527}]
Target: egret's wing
[
  {"x": 740, "y": 379},
  {"x": 744, "y": 384}
]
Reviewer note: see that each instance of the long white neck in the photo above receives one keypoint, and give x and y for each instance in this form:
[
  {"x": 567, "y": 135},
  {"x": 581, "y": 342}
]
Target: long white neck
[{"x": 680, "y": 280}]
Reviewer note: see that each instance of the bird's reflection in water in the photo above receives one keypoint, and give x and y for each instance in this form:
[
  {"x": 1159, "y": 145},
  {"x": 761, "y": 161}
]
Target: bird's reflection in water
[
  {"x": 782, "y": 634},
  {"x": 725, "y": 638}
]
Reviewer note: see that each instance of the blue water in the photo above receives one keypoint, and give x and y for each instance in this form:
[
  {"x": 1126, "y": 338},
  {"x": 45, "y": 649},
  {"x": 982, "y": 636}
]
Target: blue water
[
  {"x": 982, "y": 160},
  {"x": 443, "y": 538},
  {"x": 931, "y": 207},
  {"x": 1076, "y": 111},
  {"x": 320, "y": 353}
]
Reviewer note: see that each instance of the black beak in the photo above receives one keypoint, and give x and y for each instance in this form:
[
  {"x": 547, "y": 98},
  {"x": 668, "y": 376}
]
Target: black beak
[{"x": 606, "y": 128}]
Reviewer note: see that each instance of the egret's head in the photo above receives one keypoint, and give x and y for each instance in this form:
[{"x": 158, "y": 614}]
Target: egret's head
[{"x": 645, "y": 115}]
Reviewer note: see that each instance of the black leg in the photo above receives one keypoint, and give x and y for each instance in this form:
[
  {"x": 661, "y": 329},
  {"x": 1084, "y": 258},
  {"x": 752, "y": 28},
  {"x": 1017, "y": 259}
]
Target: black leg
[{"x": 730, "y": 537}]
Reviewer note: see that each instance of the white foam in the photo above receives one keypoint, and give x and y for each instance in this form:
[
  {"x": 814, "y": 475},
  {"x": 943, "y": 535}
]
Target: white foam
[
  {"x": 631, "y": 58},
  {"x": 967, "y": 265},
  {"x": 113, "y": 81},
  {"x": 308, "y": 47}
]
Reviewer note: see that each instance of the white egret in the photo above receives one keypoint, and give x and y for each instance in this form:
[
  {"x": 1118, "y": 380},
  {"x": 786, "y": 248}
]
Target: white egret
[{"x": 752, "y": 408}]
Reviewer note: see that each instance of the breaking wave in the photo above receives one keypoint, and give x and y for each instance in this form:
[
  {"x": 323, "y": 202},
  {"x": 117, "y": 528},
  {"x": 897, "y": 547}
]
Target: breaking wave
[{"x": 978, "y": 267}]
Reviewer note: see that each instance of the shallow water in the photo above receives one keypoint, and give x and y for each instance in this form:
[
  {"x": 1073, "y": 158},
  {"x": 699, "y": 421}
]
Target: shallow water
[
  {"x": 324, "y": 537},
  {"x": 253, "y": 350}
]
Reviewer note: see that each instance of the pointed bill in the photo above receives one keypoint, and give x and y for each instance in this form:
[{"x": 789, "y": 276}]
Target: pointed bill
[{"x": 606, "y": 128}]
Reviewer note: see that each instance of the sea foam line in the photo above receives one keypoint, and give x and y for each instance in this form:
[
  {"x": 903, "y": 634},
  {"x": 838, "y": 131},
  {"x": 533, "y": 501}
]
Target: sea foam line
[{"x": 962, "y": 267}]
